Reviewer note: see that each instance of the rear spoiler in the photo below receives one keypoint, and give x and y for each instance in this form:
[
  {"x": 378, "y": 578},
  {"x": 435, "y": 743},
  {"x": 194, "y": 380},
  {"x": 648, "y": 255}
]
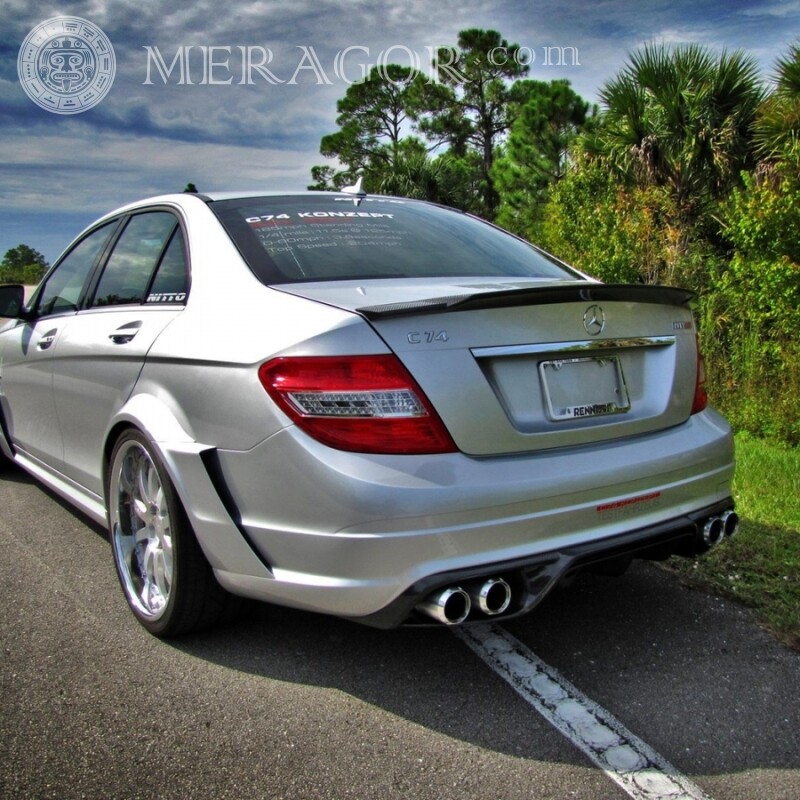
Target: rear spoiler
[{"x": 579, "y": 292}]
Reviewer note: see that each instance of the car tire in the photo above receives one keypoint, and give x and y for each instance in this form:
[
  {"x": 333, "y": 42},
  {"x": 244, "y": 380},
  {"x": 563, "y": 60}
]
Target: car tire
[{"x": 166, "y": 579}]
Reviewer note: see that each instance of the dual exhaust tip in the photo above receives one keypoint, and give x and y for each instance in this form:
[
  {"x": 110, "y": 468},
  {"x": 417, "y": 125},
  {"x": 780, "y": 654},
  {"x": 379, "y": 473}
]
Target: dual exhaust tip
[
  {"x": 715, "y": 529},
  {"x": 452, "y": 605}
]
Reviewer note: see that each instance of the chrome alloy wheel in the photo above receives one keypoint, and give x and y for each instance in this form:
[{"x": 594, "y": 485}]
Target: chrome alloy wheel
[{"x": 141, "y": 529}]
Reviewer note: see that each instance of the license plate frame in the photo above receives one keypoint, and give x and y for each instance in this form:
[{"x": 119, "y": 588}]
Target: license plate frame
[{"x": 583, "y": 388}]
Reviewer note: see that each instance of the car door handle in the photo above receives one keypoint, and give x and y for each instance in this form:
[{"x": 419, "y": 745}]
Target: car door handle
[
  {"x": 125, "y": 333},
  {"x": 47, "y": 339}
]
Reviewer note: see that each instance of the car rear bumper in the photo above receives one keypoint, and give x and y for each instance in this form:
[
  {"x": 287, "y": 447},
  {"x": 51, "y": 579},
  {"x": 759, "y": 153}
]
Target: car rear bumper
[
  {"x": 367, "y": 536},
  {"x": 530, "y": 579}
]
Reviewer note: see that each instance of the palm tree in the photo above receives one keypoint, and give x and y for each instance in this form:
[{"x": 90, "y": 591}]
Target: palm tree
[
  {"x": 777, "y": 129},
  {"x": 681, "y": 118},
  {"x": 444, "y": 179}
]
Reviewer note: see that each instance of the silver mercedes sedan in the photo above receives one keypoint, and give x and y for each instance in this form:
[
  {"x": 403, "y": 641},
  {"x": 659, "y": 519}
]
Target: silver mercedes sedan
[{"x": 365, "y": 406}]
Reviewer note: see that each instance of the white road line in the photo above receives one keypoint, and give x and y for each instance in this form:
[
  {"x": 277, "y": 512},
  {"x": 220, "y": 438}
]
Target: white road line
[{"x": 626, "y": 759}]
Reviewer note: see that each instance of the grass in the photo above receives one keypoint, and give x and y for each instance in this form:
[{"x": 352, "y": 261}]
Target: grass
[{"x": 761, "y": 566}]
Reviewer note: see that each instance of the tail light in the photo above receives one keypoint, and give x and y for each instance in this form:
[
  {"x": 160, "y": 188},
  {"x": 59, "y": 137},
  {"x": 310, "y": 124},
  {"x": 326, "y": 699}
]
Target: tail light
[
  {"x": 700, "y": 394},
  {"x": 364, "y": 404}
]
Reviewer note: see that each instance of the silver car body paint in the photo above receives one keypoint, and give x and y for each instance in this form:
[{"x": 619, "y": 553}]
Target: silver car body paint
[{"x": 286, "y": 519}]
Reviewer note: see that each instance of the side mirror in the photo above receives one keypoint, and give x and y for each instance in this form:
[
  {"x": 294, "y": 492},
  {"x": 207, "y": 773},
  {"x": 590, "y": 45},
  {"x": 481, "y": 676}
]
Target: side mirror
[{"x": 12, "y": 301}]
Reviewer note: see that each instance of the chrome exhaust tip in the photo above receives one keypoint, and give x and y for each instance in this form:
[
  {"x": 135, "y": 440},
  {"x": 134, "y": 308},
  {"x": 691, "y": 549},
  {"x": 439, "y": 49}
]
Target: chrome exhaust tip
[
  {"x": 449, "y": 606},
  {"x": 713, "y": 531},
  {"x": 730, "y": 524},
  {"x": 492, "y": 597}
]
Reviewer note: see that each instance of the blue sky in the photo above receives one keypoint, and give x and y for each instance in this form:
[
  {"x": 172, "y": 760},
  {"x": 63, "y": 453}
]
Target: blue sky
[{"x": 59, "y": 172}]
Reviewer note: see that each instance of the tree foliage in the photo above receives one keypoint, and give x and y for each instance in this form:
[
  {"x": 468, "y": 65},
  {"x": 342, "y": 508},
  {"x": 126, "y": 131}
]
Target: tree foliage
[
  {"x": 614, "y": 233},
  {"x": 371, "y": 121},
  {"x": 681, "y": 118},
  {"x": 549, "y": 118},
  {"x": 470, "y": 107},
  {"x": 750, "y": 307},
  {"x": 467, "y": 110},
  {"x": 444, "y": 179},
  {"x": 777, "y": 128},
  {"x": 22, "y": 264}
]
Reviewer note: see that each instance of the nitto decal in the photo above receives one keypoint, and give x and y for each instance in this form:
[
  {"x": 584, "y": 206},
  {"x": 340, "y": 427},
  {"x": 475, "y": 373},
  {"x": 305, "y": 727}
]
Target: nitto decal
[{"x": 167, "y": 297}]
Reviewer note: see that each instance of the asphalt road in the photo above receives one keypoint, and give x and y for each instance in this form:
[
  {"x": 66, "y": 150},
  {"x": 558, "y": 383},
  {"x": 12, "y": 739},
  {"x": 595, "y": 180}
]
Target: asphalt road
[{"x": 291, "y": 705}]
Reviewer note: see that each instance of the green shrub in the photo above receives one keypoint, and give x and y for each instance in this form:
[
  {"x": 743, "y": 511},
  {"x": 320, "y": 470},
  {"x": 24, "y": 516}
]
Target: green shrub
[
  {"x": 590, "y": 221},
  {"x": 750, "y": 308},
  {"x": 622, "y": 234}
]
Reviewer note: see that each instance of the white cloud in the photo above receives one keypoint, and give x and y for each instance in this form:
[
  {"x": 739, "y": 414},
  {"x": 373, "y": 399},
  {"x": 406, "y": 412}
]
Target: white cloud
[
  {"x": 50, "y": 171},
  {"x": 780, "y": 10}
]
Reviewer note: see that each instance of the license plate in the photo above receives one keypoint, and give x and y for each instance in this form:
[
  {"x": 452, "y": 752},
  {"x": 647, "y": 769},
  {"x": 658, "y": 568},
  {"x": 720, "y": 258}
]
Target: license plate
[{"x": 579, "y": 388}]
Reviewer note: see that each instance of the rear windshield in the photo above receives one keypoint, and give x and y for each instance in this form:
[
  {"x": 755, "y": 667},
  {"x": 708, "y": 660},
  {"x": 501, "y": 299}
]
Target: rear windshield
[{"x": 335, "y": 237}]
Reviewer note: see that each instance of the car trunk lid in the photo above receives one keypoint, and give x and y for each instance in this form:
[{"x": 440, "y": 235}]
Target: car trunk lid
[{"x": 530, "y": 365}]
